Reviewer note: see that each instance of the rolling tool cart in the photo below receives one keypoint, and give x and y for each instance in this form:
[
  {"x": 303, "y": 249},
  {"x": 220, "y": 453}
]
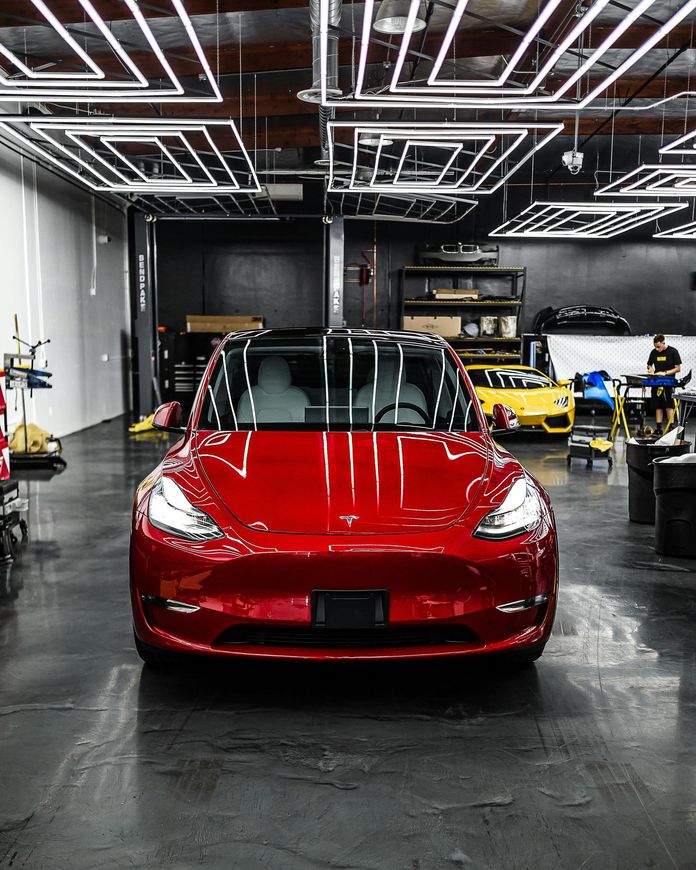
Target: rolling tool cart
[
  {"x": 12, "y": 507},
  {"x": 22, "y": 374},
  {"x": 12, "y": 515},
  {"x": 590, "y": 443}
]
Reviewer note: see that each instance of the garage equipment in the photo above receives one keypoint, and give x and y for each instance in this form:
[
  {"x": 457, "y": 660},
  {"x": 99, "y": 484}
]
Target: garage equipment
[
  {"x": 590, "y": 443},
  {"x": 4, "y": 446},
  {"x": 622, "y": 393},
  {"x": 640, "y": 455},
  {"x": 675, "y": 506},
  {"x": 12, "y": 516},
  {"x": 22, "y": 374},
  {"x": 686, "y": 401}
]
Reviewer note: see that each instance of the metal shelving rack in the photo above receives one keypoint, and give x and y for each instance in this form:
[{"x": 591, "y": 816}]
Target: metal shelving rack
[{"x": 497, "y": 349}]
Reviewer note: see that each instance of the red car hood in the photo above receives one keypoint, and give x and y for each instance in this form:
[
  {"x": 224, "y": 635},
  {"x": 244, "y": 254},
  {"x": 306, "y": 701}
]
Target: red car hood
[{"x": 309, "y": 482}]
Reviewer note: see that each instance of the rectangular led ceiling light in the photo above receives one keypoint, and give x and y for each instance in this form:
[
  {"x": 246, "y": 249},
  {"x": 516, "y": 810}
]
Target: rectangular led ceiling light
[
  {"x": 140, "y": 155},
  {"x": 685, "y": 231},
  {"x": 684, "y": 145},
  {"x": 570, "y": 73},
  {"x": 410, "y": 157},
  {"x": 397, "y": 207},
  {"x": 583, "y": 220},
  {"x": 654, "y": 179},
  {"x": 210, "y": 207},
  {"x": 90, "y": 63}
]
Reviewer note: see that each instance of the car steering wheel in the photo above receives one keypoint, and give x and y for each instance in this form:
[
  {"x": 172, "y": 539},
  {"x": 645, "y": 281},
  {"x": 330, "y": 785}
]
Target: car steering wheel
[{"x": 393, "y": 405}]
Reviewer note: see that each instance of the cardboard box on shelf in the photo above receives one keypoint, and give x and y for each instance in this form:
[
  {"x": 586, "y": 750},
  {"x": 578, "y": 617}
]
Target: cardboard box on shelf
[
  {"x": 447, "y": 327},
  {"x": 455, "y": 293},
  {"x": 223, "y": 322}
]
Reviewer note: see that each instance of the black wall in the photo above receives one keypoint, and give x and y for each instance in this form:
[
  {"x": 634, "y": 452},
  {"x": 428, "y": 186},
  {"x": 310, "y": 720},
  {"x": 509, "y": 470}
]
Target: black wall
[
  {"x": 650, "y": 283},
  {"x": 232, "y": 268}
]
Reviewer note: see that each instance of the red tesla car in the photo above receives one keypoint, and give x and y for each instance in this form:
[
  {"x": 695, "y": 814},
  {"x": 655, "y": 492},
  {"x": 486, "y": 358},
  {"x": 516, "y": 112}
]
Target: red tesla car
[{"x": 336, "y": 494}]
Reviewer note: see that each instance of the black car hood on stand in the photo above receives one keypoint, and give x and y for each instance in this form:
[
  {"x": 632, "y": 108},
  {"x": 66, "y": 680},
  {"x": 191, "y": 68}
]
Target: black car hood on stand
[{"x": 582, "y": 319}]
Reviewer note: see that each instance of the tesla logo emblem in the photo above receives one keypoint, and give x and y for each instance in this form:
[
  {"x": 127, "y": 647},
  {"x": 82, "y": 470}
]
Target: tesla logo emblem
[{"x": 349, "y": 519}]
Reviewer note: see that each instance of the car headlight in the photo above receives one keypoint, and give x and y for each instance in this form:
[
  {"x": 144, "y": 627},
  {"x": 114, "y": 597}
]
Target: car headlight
[
  {"x": 170, "y": 511},
  {"x": 562, "y": 401},
  {"x": 520, "y": 512}
]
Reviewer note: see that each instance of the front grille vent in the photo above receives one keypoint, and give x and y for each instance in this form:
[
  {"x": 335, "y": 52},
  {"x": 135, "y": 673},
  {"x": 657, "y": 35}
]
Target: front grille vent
[
  {"x": 386, "y": 636},
  {"x": 559, "y": 421}
]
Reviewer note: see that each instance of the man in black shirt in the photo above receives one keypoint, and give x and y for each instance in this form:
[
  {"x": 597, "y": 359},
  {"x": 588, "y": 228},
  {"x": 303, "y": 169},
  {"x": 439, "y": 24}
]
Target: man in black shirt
[{"x": 663, "y": 360}]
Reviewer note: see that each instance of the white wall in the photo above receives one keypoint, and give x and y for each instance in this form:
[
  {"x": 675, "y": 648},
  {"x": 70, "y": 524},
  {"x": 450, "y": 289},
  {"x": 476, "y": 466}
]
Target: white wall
[{"x": 49, "y": 261}]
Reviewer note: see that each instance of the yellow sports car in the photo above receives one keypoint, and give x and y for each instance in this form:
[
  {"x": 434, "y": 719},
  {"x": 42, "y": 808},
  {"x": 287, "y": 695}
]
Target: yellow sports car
[{"x": 533, "y": 396}]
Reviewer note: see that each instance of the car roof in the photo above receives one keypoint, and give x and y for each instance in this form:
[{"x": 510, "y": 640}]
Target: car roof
[
  {"x": 505, "y": 368},
  {"x": 394, "y": 336}
]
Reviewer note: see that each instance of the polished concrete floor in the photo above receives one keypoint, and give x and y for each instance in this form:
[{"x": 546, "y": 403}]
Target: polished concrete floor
[{"x": 586, "y": 760}]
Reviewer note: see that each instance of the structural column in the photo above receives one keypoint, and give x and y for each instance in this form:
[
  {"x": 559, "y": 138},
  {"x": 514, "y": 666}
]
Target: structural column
[
  {"x": 143, "y": 313},
  {"x": 334, "y": 273}
]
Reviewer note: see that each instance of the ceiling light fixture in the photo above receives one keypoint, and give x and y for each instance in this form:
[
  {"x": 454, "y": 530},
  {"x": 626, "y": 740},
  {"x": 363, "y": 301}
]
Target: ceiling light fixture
[
  {"x": 372, "y": 140},
  {"x": 94, "y": 150},
  {"x": 654, "y": 179},
  {"x": 21, "y": 83},
  {"x": 392, "y": 16},
  {"x": 455, "y": 158},
  {"x": 685, "y": 144},
  {"x": 538, "y": 93},
  {"x": 685, "y": 231},
  {"x": 396, "y": 207},
  {"x": 582, "y": 220},
  {"x": 208, "y": 207}
]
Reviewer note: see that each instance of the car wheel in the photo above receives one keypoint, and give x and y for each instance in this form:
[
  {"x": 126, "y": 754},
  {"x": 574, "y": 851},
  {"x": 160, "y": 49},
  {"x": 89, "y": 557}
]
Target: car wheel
[{"x": 154, "y": 657}]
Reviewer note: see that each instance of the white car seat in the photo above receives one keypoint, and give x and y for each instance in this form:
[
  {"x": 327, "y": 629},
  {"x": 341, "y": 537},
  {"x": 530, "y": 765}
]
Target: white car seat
[
  {"x": 385, "y": 394},
  {"x": 275, "y": 400}
]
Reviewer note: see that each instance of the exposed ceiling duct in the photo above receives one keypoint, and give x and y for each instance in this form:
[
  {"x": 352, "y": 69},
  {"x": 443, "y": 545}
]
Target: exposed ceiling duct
[{"x": 333, "y": 9}]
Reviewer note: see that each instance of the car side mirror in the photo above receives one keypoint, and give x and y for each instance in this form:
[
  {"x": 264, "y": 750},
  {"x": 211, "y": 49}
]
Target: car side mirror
[
  {"x": 504, "y": 419},
  {"x": 564, "y": 382},
  {"x": 168, "y": 418}
]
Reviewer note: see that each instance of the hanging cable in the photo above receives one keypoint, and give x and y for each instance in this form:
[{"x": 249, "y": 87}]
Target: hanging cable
[
  {"x": 531, "y": 175},
  {"x": 217, "y": 42},
  {"x": 688, "y": 86},
  {"x": 664, "y": 109},
  {"x": 352, "y": 48},
  {"x": 239, "y": 38},
  {"x": 611, "y": 146}
]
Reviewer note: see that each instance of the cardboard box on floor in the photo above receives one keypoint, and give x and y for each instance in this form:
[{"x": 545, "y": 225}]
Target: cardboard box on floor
[
  {"x": 223, "y": 322},
  {"x": 447, "y": 327}
]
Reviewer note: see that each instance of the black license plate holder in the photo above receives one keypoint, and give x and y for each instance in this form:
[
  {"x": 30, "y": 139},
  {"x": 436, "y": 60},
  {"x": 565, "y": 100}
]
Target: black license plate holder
[{"x": 349, "y": 608}]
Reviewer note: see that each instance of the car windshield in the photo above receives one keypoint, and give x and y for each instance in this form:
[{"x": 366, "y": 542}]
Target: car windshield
[
  {"x": 509, "y": 379},
  {"x": 336, "y": 383}
]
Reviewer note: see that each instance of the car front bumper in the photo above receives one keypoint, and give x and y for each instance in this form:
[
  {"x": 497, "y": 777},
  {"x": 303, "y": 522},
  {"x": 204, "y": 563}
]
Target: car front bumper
[{"x": 252, "y": 596}]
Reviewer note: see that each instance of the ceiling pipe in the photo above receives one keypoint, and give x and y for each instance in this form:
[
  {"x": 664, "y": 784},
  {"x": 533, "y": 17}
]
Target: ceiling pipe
[{"x": 313, "y": 94}]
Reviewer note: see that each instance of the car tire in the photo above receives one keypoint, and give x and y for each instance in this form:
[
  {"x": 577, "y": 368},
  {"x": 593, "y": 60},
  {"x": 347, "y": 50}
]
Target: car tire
[{"x": 154, "y": 657}]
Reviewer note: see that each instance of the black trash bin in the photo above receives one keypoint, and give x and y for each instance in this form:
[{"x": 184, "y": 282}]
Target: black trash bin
[
  {"x": 639, "y": 458},
  {"x": 675, "y": 508}
]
